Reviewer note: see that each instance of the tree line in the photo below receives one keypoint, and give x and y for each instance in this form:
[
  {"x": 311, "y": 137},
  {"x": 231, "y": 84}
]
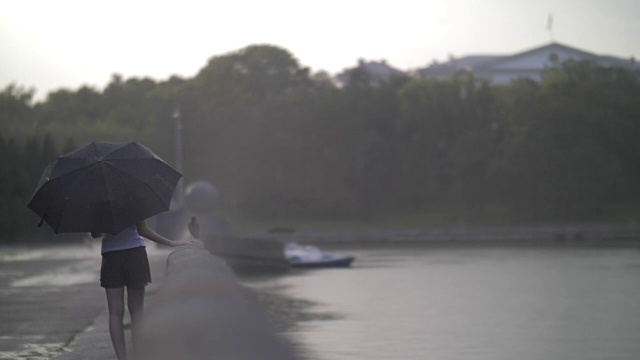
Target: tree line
[{"x": 280, "y": 142}]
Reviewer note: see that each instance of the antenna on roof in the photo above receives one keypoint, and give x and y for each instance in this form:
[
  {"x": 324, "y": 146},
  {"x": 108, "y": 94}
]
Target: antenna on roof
[{"x": 550, "y": 26}]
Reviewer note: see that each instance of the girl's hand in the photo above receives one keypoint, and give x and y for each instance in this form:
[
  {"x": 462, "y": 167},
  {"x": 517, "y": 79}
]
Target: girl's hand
[{"x": 181, "y": 242}]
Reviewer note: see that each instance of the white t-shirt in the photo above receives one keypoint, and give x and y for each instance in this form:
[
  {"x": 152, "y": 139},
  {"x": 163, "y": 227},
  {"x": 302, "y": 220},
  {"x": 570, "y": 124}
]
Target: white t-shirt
[{"x": 126, "y": 239}]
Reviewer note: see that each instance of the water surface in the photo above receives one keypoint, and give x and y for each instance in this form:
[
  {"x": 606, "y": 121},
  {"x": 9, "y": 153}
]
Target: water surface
[{"x": 483, "y": 302}]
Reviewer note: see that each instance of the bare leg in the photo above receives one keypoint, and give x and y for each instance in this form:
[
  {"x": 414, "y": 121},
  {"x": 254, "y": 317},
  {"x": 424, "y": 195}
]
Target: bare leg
[
  {"x": 115, "y": 302},
  {"x": 135, "y": 300}
]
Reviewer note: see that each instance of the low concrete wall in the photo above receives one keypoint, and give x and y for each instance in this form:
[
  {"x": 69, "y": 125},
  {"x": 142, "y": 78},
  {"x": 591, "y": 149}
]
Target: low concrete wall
[
  {"x": 248, "y": 255},
  {"x": 202, "y": 312}
]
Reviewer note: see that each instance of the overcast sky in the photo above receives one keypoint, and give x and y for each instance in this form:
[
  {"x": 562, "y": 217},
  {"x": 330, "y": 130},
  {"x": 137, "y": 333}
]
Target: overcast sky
[{"x": 67, "y": 43}]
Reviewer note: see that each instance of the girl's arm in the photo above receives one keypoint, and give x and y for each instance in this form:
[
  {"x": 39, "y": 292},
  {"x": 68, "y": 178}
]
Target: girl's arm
[{"x": 146, "y": 232}]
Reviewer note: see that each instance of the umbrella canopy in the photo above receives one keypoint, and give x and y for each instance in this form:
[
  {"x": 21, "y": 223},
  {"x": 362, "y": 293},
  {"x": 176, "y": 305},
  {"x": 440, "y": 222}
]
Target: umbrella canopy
[{"x": 104, "y": 187}]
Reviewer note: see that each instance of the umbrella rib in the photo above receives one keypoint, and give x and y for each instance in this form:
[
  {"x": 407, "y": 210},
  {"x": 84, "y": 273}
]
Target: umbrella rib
[
  {"x": 68, "y": 198},
  {"x": 114, "y": 166},
  {"x": 66, "y": 201},
  {"x": 143, "y": 181},
  {"x": 109, "y": 192},
  {"x": 155, "y": 193}
]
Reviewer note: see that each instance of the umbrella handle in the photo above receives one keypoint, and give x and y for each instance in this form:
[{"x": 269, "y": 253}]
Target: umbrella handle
[{"x": 42, "y": 220}]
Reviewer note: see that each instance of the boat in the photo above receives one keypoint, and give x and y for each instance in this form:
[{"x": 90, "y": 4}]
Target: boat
[
  {"x": 308, "y": 256},
  {"x": 248, "y": 255}
]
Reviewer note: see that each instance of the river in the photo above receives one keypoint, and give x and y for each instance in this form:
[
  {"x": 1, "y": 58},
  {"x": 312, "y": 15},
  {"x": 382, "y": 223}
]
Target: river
[{"x": 464, "y": 302}]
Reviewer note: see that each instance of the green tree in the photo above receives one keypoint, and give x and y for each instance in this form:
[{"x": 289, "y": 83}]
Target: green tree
[
  {"x": 16, "y": 111},
  {"x": 560, "y": 160}
]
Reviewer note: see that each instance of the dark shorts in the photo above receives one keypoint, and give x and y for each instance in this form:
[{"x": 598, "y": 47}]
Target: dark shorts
[{"x": 128, "y": 267}]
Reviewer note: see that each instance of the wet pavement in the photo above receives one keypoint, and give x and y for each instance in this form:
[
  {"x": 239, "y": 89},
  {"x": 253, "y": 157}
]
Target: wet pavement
[{"x": 51, "y": 304}]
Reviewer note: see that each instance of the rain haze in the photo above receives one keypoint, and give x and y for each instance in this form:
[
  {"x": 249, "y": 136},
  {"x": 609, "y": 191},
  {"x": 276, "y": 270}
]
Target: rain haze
[
  {"x": 65, "y": 44},
  {"x": 450, "y": 179}
]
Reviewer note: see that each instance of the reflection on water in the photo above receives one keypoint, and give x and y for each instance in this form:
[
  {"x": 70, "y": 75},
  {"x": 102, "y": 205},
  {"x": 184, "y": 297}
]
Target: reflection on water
[
  {"x": 288, "y": 313},
  {"x": 465, "y": 303}
]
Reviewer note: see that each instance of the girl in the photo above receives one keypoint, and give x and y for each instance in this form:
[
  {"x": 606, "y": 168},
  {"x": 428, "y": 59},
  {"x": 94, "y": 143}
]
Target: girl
[{"x": 125, "y": 264}]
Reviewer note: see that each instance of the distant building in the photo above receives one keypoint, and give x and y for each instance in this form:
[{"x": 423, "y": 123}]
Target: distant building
[
  {"x": 502, "y": 69},
  {"x": 379, "y": 71}
]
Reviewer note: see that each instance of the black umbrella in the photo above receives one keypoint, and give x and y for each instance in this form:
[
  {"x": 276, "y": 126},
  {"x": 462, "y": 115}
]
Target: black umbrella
[{"x": 104, "y": 187}]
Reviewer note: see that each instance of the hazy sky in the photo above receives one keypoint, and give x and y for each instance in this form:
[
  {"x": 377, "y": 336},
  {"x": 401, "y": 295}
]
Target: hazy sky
[{"x": 66, "y": 43}]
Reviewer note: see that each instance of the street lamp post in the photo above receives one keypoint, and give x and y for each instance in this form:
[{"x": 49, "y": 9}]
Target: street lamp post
[{"x": 177, "y": 116}]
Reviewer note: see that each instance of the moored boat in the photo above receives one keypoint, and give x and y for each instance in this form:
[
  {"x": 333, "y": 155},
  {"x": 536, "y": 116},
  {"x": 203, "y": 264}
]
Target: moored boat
[{"x": 307, "y": 256}]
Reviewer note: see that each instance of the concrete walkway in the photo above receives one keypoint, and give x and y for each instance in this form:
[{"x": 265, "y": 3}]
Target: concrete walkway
[
  {"x": 195, "y": 309},
  {"x": 94, "y": 342}
]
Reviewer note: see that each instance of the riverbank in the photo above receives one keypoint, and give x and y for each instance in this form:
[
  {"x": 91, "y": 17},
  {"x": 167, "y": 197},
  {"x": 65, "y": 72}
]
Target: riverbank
[{"x": 541, "y": 234}]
